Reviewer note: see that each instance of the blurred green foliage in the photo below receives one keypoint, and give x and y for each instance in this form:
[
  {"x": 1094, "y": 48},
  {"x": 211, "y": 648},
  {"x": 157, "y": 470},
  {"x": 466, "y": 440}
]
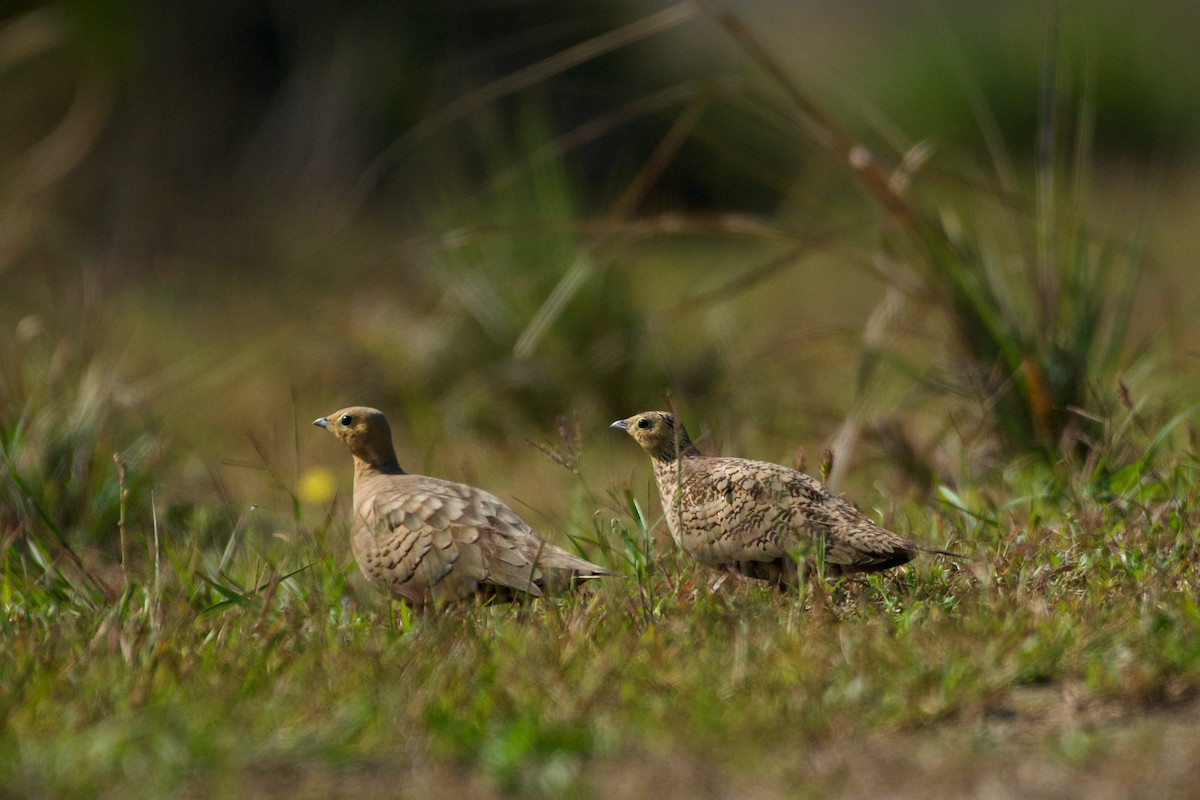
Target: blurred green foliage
[
  {"x": 70, "y": 405},
  {"x": 1136, "y": 59},
  {"x": 220, "y": 220},
  {"x": 484, "y": 219}
]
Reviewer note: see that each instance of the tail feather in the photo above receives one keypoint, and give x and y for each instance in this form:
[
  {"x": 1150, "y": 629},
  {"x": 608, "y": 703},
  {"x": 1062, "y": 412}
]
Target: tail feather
[
  {"x": 933, "y": 551},
  {"x": 555, "y": 558}
]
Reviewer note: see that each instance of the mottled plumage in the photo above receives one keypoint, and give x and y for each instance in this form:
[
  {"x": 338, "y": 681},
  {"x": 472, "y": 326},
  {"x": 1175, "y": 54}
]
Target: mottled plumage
[
  {"x": 428, "y": 540},
  {"x": 754, "y": 516}
]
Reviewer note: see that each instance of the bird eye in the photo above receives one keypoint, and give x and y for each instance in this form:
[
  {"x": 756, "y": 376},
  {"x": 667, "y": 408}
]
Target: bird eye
[
  {"x": 644, "y": 423},
  {"x": 346, "y": 420}
]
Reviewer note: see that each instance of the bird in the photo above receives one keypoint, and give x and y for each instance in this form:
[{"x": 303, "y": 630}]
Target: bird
[
  {"x": 758, "y": 518},
  {"x": 430, "y": 541}
]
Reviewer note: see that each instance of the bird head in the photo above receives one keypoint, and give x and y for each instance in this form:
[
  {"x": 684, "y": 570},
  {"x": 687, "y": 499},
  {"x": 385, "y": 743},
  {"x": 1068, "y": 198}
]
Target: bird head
[
  {"x": 366, "y": 432},
  {"x": 659, "y": 434}
]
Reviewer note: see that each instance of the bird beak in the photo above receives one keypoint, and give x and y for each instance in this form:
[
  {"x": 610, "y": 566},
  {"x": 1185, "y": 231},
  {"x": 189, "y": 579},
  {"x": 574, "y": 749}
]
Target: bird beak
[
  {"x": 620, "y": 425},
  {"x": 321, "y": 422}
]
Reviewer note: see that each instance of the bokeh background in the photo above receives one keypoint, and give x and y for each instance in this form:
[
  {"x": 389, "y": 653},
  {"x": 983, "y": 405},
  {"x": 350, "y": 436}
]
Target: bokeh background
[{"x": 219, "y": 220}]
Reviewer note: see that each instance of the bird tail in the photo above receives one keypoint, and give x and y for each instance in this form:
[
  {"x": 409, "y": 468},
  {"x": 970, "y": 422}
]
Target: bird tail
[
  {"x": 555, "y": 558},
  {"x": 933, "y": 551}
]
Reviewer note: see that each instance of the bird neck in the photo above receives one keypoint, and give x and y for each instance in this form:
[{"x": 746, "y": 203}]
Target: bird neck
[
  {"x": 377, "y": 463},
  {"x": 667, "y": 472},
  {"x": 669, "y": 475},
  {"x": 684, "y": 448},
  {"x": 669, "y": 463}
]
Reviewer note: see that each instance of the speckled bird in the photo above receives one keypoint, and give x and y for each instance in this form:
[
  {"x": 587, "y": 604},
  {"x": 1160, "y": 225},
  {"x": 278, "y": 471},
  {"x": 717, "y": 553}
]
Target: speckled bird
[
  {"x": 755, "y": 517},
  {"x": 427, "y": 540}
]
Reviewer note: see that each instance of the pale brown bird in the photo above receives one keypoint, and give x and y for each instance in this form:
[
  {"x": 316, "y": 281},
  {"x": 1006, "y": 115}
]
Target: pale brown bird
[
  {"x": 756, "y": 517},
  {"x": 428, "y": 540}
]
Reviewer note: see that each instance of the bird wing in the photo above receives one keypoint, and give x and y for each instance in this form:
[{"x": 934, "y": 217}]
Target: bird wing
[
  {"x": 726, "y": 513},
  {"x": 745, "y": 510},
  {"x": 514, "y": 555},
  {"x": 423, "y": 538},
  {"x": 432, "y": 538}
]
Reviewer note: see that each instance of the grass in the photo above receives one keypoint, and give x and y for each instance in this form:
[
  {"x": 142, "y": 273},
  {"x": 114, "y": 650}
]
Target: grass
[{"x": 267, "y": 670}]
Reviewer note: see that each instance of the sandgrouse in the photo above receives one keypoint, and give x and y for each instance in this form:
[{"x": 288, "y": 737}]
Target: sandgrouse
[
  {"x": 756, "y": 517},
  {"x": 427, "y": 540}
]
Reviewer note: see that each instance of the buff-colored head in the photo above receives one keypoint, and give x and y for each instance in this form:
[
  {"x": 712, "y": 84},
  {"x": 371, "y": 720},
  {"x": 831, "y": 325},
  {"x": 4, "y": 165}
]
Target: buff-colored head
[
  {"x": 366, "y": 432},
  {"x": 659, "y": 434}
]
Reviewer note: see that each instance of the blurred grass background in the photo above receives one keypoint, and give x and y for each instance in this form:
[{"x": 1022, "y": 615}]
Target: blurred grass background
[
  {"x": 222, "y": 218},
  {"x": 955, "y": 242}
]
